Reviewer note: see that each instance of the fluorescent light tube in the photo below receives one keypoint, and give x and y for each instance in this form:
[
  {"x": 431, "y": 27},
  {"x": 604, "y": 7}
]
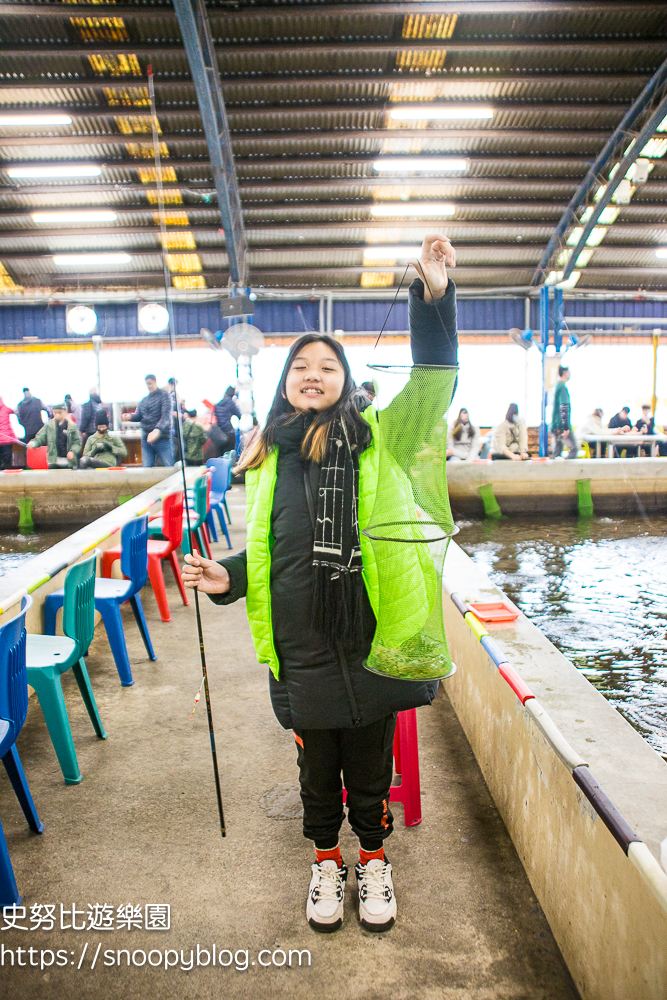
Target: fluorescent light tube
[
  {"x": 381, "y": 252},
  {"x": 417, "y": 112},
  {"x": 661, "y": 252},
  {"x": 91, "y": 259},
  {"x": 429, "y": 164},
  {"x": 53, "y": 170},
  {"x": 35, "y": 120},
  {"x": 417, "y": 209},
  {"x": 98, "y": 216}
]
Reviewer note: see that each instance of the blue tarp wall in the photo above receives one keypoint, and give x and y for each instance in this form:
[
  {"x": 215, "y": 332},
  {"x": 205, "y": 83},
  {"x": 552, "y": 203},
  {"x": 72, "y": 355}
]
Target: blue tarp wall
[{"x": 120, "y": 320}]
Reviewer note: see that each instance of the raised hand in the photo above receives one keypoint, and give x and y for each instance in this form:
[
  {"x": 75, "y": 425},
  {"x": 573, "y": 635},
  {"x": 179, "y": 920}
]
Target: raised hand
[{"x": 437, "y": 254}]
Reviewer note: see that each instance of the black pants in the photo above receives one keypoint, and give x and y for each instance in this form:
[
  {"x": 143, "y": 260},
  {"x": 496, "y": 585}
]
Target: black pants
[
  {"x": 6, "y": 456},
  {"x": 92, "y": 463},
  {"x": 365, "y": 758}
]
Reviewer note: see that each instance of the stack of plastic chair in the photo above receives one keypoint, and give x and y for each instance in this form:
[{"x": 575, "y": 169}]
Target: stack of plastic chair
[
  {"x": 49, "y": 656},
  {"x": 217, "y": 503},
  {"x": 158, "y": 549},
  {"x": 110, "y": 594},
  {"x": 13, "y": 710},
  {"x": 198, "y": 513}
]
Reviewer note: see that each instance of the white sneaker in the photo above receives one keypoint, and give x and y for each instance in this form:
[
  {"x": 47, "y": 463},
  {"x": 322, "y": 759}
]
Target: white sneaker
[
  {"x": 377, "y": 903},
  {"x": 326, "y": 894}
]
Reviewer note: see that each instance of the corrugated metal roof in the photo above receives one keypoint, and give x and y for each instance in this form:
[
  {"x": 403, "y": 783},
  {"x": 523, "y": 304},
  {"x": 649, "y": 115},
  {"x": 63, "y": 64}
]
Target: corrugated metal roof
[{"x": 309, "y": 88}]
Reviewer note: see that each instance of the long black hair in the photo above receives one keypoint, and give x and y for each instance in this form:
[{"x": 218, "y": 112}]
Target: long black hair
[{"x": 314, "y": 443}]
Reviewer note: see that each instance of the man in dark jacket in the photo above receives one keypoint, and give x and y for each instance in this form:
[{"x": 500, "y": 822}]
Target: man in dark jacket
[
  {"x": 620, "y": 423},
  {"x": 29, "y": 413},
  {"x": 89, "y": 411},
  {"x": 154, "y": 415},
  {"x": 224, "y": 411}
]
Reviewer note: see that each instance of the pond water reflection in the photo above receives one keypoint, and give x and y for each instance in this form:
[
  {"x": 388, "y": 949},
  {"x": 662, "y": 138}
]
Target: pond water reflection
[
  {"x": 15, "y": 548},
  {"x": 598, "y": 590}
]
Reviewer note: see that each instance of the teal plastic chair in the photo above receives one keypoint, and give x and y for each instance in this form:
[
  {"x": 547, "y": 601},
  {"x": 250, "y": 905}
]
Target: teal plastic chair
[{"x": 49, "y": 656}]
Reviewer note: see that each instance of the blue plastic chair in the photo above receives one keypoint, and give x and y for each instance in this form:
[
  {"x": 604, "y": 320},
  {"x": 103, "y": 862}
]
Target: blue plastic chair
[
  {"x": 13, "y": 710},
  {"x": 49, "y": 656},
  {"x": 111, "y": 593},
  {"x": 220, "y": 470}
]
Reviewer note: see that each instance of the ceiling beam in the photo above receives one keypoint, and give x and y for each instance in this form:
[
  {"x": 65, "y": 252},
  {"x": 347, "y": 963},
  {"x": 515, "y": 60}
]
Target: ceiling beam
[
  {"x": 250, "y": 83},
  {"x": 196, "y": 32},
  {"x": 114, "y": 139},
  {"x": 535, "y": 230},
  {"x": 53, "y": 10},
  {"x": 307, "y": 248},
  {"x": 268, "y": 110},
  {"x": 451, "y": 46}
]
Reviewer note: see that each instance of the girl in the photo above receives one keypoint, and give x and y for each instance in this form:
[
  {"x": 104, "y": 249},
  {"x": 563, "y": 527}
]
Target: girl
[
  {"x": 307, "y": 574},
  {"x": 463, "y": 439},
  {"x": 510, "y": 439}
]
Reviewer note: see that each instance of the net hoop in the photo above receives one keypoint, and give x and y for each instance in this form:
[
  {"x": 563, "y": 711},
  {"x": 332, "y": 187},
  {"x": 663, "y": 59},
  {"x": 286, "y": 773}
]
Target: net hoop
[
  {"x": 412, "y": 680},
  {"x": 370, "y": 532},
  {"x": 405, "y": 369}
]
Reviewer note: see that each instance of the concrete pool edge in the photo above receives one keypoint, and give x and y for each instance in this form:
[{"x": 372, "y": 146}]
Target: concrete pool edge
[
  {"x": 60, "y": 497},
  {"x": 610, "y": 927},
  {"x": 618, "y": 486}
]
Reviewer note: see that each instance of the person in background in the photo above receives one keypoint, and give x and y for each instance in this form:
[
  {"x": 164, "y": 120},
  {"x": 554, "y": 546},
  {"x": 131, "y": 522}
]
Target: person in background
[
  {"x": 463, "y": 439},
  {"x": 73, "y": 408},
  {"x": 620, "y": 423},
  {"x": 251, "y": 436},
  {"x": 29, "y": 413},
  {"x": 510, "y": 438},
  {"x": 560, "y": 418},
  {"x": 102, "y": 450},
  {"x": 62, "y": 439},
  {"x": 194, "y": 438},
  {"x": 7, "y": 436},
  {"x": 88, "y": 411},
  {"x": 154, "y": 415},
  {"x": 645, "y": 425},
  {"x": 170, "y": 388},
  {"x": 369, "y": 389},
  {"x": 591, "y": 427},
  {"x": 224, "y": 411}
]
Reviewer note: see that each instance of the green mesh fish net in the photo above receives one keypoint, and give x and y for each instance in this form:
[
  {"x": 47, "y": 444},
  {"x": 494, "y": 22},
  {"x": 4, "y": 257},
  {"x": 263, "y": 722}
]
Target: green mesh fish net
[{"x": 411, "y": 522}]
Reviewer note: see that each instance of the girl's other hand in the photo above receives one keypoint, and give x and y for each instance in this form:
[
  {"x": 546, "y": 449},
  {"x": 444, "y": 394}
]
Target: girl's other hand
[
  {"x": 206, "y": 575},
  {"x": 437, "y": 255}
]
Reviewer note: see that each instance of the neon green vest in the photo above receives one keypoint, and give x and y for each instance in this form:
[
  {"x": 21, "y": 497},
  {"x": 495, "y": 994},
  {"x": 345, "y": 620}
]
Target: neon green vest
[{"x": 260, "y": 484}]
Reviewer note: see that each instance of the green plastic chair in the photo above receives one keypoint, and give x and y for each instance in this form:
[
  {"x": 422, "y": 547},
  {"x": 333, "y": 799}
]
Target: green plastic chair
[
  {"x": 199, "y": 508},
  {"x": 49, "y": 656}
]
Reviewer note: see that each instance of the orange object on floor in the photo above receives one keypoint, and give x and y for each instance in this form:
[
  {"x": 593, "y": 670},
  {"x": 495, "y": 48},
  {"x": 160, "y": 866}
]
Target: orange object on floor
[{"x": 158, "y": 549}]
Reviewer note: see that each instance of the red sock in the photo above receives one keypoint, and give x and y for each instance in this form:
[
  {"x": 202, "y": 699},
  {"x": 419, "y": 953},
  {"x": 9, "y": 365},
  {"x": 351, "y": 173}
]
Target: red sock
[
  {"x": 331, "y": 855},
  {"x": 366, "y": 856}
]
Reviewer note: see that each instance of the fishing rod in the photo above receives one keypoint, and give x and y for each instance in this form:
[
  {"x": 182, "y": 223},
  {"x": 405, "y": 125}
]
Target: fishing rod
[{"x": 179, "y": 424}]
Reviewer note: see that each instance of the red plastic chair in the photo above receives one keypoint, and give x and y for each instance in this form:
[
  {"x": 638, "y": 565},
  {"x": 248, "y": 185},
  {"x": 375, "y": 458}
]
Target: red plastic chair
[
  {"x": 36, "y": 458},
  {"x": 406, "y": 766},
  {"x": 159, "y": 549}
]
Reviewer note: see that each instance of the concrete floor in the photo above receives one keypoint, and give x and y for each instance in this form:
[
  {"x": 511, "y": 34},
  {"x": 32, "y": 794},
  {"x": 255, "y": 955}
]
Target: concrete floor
[{"x": 142, "y": 828}]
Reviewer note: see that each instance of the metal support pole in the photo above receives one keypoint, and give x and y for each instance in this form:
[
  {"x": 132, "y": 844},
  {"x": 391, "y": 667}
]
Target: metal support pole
[
  {"x": 196, "y": 32},
  {"x": 656, "y": 341},
  {"x": 544, "y": 340},
  {"x": 330, "y": 314}
]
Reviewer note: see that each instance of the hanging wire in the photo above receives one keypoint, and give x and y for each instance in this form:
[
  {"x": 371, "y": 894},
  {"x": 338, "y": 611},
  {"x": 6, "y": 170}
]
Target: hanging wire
[
  {"x": 420, "y": 269},
  {"x": 179, "y": 423}
]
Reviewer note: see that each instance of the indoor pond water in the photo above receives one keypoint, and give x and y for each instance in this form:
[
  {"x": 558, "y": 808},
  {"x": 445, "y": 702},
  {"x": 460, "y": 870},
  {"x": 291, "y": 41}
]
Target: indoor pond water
[
  {"x": 16, "y": 548},
  {"x": 597, "y": 589}
]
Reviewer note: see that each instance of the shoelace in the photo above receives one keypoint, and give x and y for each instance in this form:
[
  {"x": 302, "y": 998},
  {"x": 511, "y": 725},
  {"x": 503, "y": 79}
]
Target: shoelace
[
  {"x": 374, "y": 885},
  {"x": 330, "y": 884}
]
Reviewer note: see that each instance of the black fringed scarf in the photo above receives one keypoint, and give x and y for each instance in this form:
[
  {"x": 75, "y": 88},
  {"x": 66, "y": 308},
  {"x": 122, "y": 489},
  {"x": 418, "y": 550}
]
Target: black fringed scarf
[{"x": 339, "y": 587}]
